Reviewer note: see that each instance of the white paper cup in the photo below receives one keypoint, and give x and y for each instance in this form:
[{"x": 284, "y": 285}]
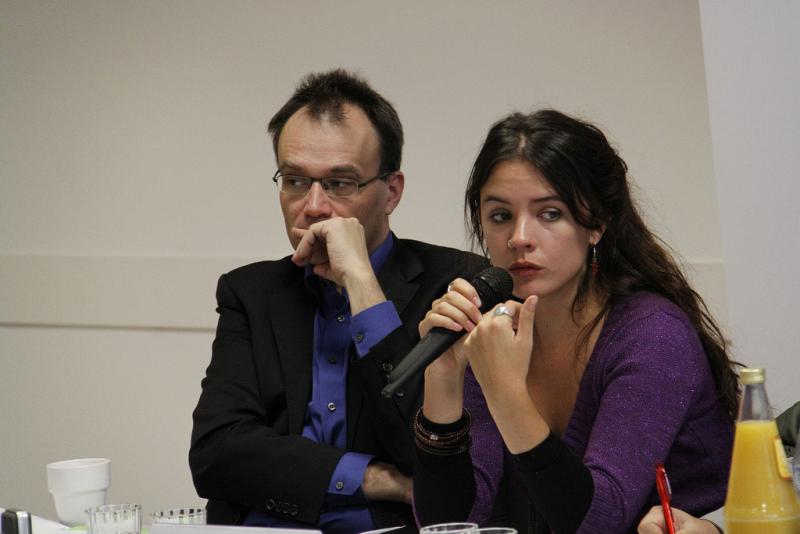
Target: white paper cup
[{"x": 77, "y": 485}]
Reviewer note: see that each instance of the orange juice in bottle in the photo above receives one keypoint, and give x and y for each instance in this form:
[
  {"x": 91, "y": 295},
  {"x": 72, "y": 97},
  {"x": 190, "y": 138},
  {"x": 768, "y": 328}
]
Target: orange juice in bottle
[{"x": 761, "y": 498}]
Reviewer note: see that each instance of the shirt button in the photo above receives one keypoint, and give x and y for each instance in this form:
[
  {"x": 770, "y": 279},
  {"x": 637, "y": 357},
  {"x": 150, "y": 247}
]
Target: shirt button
[
  {"x": 400, "y": 393},
  {"x": 340, "y": 485},
  {"x": 332, "y": 359},
  {"x": 359, "y": 338},
  {"x": 340, "y": 318},
  {"x": 387, "y": 366},
  {"x": 331, "y": 407}
]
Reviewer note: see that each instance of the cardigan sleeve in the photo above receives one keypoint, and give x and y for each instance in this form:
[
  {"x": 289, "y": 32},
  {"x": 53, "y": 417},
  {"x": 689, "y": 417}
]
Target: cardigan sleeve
[
  {"x": 647, "y": 381},
  {"x": 462, "y": 487}
]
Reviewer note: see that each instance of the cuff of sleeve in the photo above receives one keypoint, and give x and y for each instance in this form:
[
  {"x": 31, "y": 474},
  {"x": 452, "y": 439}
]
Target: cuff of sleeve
[
  {"x": 543, "y": 455},
  {"x": 370, "y": 326},
  {"x": 349, "y": 474}
]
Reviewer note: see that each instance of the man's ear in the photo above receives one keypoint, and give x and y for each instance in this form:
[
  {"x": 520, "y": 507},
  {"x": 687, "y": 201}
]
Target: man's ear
[{"x": 396, "y": 183}]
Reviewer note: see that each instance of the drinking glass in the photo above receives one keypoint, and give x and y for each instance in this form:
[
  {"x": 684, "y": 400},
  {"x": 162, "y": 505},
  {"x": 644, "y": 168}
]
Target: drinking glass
[
  {"x": 115, "y": 519},
  {"x": 182, "y": 516},
  {"x": 449, "y": 528}
]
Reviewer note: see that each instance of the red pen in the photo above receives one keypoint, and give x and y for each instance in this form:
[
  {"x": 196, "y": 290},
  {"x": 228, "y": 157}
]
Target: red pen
[{"x": 665, "y": 493}]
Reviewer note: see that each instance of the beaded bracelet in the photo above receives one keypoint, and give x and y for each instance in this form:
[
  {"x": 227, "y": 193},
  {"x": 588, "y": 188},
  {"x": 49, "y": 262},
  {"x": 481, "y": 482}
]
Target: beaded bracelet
[{"x": 442, "y": 444}]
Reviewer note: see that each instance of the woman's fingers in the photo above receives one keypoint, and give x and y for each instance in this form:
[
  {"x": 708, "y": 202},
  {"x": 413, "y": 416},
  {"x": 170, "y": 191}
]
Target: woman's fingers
[
  {"x": 464, "y": 288},
  {"x": 525, "y": 319}
]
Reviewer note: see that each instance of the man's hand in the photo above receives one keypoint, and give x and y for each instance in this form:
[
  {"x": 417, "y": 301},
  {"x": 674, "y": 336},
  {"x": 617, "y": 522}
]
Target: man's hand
[
  {"x": 383, "y": 482},
  {"x": 338, "y": 251}
]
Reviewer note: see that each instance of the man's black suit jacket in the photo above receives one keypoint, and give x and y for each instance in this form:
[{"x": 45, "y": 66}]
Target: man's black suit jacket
[{"x": 247, "y": 450}]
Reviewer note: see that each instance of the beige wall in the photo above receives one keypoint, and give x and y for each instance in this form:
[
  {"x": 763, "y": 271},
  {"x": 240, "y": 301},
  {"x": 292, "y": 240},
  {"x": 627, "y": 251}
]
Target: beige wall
[
  {"x": 134, "y": 168},
  {"x": 751, "y": 52}
]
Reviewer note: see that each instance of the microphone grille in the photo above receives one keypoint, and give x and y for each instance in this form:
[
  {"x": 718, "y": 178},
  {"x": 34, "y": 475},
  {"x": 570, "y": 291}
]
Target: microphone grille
[{"x": 494, "y": 285}]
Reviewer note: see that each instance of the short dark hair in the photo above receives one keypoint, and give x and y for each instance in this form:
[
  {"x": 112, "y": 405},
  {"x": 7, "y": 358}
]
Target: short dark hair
[
  {"x": 592, "y": 180},
  {"x": 324, "y": 93}
]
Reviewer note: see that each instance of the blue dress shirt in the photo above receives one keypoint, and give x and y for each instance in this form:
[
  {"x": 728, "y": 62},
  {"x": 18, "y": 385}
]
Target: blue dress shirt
[{"x": 335, "y": 330}]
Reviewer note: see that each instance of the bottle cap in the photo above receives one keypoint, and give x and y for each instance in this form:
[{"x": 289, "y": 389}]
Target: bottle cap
[{"x": 752, "y": 375}]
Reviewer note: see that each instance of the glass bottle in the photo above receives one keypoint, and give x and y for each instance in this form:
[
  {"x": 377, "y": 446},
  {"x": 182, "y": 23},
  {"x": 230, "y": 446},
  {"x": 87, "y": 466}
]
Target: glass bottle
[{"x": 761, "y": 498}]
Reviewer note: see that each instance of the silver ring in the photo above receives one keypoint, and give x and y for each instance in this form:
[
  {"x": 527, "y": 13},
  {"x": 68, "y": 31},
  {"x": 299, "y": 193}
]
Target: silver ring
[
  {"x": 502, "y": 310},
  {"x": 449, "y": 287}
]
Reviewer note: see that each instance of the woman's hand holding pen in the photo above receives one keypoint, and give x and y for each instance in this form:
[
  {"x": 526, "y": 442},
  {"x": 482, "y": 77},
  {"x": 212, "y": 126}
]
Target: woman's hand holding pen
[{"x": 653, "y": 523}]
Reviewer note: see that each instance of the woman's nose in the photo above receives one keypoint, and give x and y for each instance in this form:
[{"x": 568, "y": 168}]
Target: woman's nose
[{"x": 522, "y": 238}]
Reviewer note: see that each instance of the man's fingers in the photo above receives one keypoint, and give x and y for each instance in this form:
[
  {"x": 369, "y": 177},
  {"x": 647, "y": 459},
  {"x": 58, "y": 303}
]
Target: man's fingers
[{"x": 304, "y": 252}]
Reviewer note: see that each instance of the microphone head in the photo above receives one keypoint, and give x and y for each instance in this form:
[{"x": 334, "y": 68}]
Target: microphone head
[{"x": 494, "y": 285}]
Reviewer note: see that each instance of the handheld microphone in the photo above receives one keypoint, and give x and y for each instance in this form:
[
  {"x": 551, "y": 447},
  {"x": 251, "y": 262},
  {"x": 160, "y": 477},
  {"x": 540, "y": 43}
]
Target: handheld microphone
[{"x": 494, "y": 285}]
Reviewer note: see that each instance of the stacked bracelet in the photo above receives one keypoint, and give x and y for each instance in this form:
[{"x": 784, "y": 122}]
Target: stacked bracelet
[{"x": 442, "y": 443}]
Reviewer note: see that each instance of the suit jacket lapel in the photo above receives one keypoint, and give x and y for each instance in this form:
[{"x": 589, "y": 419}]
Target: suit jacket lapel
[
  {"x": 396, "y": 277},
  {"x": 292, "y": 316},
  {"x": 396, "y": 280}
]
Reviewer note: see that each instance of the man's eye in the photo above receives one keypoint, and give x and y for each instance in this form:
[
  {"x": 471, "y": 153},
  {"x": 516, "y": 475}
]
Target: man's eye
[
  {"x": 294, "y": 181},
  {"x": 333, "y": 183}
]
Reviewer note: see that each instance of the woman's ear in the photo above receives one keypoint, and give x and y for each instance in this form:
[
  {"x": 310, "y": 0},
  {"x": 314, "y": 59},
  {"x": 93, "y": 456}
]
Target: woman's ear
[{"x": 596, "y": 235}]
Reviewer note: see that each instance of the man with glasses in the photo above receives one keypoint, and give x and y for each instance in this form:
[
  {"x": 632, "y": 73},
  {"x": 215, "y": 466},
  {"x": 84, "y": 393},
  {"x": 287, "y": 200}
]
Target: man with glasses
[{"x": 290, "y": 429}]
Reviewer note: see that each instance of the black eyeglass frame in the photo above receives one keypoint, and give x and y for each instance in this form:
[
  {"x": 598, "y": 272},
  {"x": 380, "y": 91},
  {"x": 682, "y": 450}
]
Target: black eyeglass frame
[{"x": 359, "y": 185}]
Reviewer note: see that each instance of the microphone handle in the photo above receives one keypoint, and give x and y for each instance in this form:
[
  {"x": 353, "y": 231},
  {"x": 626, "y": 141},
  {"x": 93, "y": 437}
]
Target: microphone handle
[{"x": 430, "y": 347}]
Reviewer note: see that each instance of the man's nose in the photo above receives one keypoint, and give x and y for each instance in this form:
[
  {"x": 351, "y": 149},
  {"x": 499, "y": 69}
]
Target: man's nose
[{"x": 317, "y": 202}]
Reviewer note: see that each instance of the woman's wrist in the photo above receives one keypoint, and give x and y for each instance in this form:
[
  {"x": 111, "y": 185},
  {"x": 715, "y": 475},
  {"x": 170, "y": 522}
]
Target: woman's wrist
[
  {"x": 443, "y": 401},
  {"x": 519, "y": 422}
]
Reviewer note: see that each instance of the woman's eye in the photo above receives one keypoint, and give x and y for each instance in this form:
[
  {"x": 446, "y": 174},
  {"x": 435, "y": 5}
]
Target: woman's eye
[
  {"x": 500, "y": 216},
  {"x": 550, "y": 215}
]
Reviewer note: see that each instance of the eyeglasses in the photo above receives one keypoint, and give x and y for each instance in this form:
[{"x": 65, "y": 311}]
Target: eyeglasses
[{"x": 293, "y": 184}]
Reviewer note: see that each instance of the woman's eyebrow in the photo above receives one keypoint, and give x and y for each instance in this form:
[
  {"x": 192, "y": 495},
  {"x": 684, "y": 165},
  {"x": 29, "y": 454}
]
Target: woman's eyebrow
[{"x": 549, "y": 198}]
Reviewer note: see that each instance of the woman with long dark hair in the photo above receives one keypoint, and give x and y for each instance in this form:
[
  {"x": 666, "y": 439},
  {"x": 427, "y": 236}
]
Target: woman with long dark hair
[{"x": 552, "y": 412}]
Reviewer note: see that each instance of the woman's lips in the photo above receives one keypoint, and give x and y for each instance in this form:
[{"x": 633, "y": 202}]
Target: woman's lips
[{"x": 524, "y": 269}]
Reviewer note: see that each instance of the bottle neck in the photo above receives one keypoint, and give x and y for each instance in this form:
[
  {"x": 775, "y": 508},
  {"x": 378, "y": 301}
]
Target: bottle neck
[{"x": 755, "y": 405}]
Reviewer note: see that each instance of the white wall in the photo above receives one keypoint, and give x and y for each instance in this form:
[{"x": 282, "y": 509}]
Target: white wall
[
  {"x": 134, "y": 168},
  {"x": 751, "y": 57}
]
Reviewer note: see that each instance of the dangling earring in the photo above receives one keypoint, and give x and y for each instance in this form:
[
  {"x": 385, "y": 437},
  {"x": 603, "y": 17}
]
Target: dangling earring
[{"x": 595, "y": 265}]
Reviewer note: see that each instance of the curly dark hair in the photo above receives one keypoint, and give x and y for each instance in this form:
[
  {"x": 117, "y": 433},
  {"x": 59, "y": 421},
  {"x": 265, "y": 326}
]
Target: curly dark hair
[{"x": 591, "y": 179}]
